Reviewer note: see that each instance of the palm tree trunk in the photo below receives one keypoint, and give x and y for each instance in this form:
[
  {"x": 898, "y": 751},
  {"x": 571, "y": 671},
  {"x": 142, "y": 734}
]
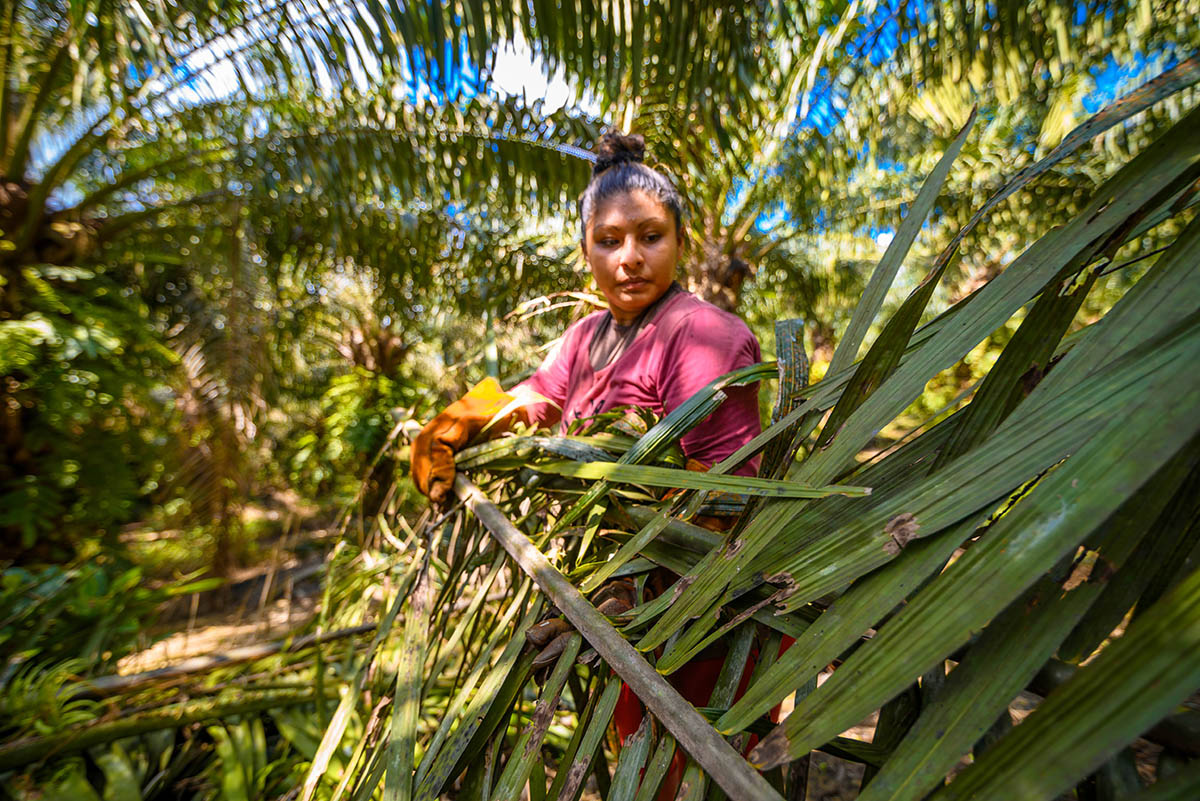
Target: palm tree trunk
[{"x": 717, "y": 277}]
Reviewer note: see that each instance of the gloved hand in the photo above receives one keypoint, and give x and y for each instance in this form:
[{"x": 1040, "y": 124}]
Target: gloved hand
[{"x": 434, "y": 448}]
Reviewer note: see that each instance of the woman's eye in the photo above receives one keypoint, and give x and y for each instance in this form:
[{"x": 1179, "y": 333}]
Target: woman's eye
[{"x": 653, "y": 237}]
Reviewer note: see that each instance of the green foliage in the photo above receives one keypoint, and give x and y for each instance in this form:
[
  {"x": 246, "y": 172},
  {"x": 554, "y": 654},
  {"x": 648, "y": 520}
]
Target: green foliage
[
  {"x": 90, "y": 615},
  {"x": 241, "y": 771},
  {"x": 58, "y": 626},
  {"x": 357, "y": 413},
  {"x": 79, "y": 367},
  {"x": 33, "y": 700},
  {"x": 888, "y": 101}
]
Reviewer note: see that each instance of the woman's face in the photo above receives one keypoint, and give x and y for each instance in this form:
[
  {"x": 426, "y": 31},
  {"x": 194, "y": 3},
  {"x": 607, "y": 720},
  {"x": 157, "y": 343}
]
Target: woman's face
[{"x": 632, "y": 246}]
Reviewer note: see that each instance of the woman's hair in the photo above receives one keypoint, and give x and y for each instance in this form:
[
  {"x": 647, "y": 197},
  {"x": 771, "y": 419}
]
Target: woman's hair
[{"x": 619, "y": 169}]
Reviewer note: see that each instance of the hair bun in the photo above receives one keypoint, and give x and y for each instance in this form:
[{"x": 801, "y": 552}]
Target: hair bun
[{"x": 615, "y": 148}]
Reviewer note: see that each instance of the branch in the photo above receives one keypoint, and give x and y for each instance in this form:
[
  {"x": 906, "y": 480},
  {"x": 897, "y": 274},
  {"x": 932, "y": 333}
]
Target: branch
[
  {"x": 33, "y": 749},
  {"x": 28, "y": 124},
  {"x": 112, "y": 685}
]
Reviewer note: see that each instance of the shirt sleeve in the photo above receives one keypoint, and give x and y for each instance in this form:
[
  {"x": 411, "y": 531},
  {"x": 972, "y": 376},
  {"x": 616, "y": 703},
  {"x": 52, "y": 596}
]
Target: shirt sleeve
[
  {"x": 550, "y": 381},
  {"x": 706, "y": 345}
]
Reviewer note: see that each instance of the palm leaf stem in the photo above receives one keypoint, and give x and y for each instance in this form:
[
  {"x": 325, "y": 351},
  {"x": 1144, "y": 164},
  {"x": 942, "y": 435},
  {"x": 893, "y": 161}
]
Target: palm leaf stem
[
  {"x": 370, "y": 735},
  {"x": 406, "y": 702},
  {"x": 670, "y": 478},
  {"x": 53, "y": 177},
  {"x": 24, "y": 752},
  {"x": 8, "y": 42}
]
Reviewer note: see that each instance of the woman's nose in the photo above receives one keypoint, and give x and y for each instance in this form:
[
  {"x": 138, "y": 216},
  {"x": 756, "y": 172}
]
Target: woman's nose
[{"x": 630, "y": 254}]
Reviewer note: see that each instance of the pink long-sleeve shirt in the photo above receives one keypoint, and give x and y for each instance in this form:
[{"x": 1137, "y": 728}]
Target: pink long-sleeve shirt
[{"x": 685, "y": 346}]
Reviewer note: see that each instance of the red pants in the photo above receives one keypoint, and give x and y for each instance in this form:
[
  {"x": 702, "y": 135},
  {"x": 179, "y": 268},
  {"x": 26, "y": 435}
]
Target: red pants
[{"x": 695, "y": 682}]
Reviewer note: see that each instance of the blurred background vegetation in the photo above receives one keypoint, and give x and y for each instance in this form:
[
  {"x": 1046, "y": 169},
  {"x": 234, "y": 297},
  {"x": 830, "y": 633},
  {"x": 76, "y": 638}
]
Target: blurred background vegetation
[
  {"x": 236, "y": 244},
  {"x": 242, "y": 243}
]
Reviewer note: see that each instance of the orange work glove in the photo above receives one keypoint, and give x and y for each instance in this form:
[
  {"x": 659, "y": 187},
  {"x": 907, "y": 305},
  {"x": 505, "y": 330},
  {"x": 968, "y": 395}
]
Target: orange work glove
[{"x": 434, "y": 448}]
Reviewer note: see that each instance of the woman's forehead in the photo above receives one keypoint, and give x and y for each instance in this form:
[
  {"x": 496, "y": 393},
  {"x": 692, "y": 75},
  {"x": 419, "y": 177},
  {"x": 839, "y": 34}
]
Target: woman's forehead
[{"x": 634, "y": 207}]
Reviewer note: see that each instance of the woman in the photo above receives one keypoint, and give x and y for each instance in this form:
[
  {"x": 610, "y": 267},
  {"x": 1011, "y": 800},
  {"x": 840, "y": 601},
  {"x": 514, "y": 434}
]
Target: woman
[{"x": 654, "y": 347}]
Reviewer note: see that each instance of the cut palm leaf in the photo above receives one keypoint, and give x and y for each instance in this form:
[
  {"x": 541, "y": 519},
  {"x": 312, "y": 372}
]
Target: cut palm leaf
[
  {"x": 1063, "y": 509},
  {"x": 668, "y": 431},
  {"x": 665, "y": 477},
  {"x": 1129, "y": 687}
]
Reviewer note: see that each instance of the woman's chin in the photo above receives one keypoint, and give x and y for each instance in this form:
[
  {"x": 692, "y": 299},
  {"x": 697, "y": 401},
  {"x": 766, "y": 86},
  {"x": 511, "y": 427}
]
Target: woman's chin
[{"x": 632, "y": 303}]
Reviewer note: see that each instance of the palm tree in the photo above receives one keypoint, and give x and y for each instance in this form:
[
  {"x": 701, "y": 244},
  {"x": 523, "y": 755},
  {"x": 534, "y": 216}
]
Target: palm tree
[
  {"x": 1034, "y": 70},
  {"x": 174, "y": 151}
]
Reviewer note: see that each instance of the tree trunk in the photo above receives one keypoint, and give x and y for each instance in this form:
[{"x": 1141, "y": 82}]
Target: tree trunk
[{"x": 716, "y": 276}]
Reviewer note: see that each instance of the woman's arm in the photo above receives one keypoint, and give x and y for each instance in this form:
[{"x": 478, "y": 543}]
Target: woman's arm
[{"x": 551, "y": 381}]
